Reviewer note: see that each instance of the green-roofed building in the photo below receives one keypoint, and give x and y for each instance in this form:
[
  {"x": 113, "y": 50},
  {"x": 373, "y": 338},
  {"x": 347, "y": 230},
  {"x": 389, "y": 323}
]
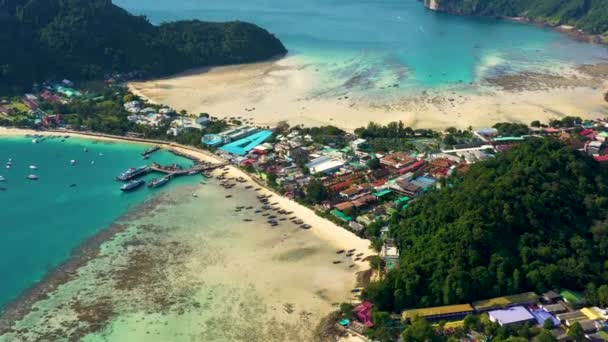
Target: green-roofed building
[
  {"x": 342, "y": 216},
  {"x": 401, "y": 201},
  {"x": 573, "y": 298},
  {"x": 382, "y": 193},
  {"x": 504, "y": 139},
  {"x": 391, "y": 211}
]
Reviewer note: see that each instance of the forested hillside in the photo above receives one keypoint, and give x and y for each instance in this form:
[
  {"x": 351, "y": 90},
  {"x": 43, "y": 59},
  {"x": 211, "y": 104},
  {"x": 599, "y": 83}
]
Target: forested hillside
[
  {"x": 85, "y": 39},
  {"x": 530, "y": 219},
  {"x": 588, "y": 15}
]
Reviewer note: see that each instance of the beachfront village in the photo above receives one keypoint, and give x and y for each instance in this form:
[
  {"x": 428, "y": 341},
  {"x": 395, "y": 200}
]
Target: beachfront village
[{"x": 363, "y": 181}]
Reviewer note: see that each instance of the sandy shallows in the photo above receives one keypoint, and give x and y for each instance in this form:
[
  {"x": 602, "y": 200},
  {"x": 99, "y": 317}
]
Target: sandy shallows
[
  {"x": 192, "y": 269},
  {"x": 290, "y": 89}
]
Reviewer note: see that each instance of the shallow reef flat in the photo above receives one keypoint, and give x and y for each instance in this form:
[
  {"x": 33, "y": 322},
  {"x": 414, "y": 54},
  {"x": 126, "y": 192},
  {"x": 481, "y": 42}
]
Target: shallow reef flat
[{"x": 183, "y": 268}]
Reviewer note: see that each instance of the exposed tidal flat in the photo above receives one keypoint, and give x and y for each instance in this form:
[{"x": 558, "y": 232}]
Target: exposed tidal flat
[
  {"x": 353, "y": 62},
  {"x": 184, "y": 265}
]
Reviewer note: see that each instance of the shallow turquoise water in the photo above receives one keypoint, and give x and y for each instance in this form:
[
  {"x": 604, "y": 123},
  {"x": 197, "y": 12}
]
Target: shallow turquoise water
[
  {"x": 42, "y": 221},
  {"x": 366, "y": 45}
]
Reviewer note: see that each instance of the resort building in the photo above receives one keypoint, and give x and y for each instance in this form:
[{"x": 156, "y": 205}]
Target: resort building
[{"x": 512, "y": 315}]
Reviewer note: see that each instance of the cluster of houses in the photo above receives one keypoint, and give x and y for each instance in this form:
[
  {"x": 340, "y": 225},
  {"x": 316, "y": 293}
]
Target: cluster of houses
[
  {"x": 560, "y": 309},
  {"x": 56, "y": 93},
  {"x": 154, "y": 118}
]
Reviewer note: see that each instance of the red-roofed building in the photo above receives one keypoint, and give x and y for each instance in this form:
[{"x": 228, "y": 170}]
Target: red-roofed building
[
  {"x": 364, "y": 313},
  {"x": 411, "y": 168},
  {"x": 340, "y": 186},
  {"x": 397, "y": 160},
  {"x": 588, "y": 133},
  {"x": 379, "y": 182},
  {"x": 602, "y": 160}
]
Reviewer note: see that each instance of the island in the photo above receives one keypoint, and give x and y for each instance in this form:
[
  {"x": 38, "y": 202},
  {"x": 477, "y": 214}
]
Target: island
[{"x": 89, "y": 39}]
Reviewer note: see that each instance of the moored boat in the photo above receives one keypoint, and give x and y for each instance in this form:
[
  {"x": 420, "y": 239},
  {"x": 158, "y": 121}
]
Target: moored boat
[
  {"x": 32, "y": 177},
  {"x": 132, "y": 173},
  {"x": 158, "y": 182},
  {"x": 2, "y": 179},
  {"x": 33, "y": 167},
  {"x": 132, "y": 185}
]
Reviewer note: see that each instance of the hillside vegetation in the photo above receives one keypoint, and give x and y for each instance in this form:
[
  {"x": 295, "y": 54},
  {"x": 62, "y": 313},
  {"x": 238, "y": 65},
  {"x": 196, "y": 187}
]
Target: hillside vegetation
[
  {"x": 529, "y": 219},
  {"x": 85, "y": 39},
  {"x": 589, "y": 15}
]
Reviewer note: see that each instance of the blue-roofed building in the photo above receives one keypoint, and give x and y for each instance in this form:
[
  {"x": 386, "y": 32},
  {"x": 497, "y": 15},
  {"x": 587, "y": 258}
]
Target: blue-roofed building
[
  {"x": 424, "y": 182},
  {"x": 213, "y": 140},
  {"x": 242, "y": 146}
]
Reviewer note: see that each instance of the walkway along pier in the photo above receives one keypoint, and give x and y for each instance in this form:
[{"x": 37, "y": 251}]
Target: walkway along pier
[{"x": 174, "y": 172}]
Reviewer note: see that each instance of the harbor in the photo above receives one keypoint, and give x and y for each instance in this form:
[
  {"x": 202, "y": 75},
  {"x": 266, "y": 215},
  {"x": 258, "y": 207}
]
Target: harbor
[{"x": 132, "y": 175}]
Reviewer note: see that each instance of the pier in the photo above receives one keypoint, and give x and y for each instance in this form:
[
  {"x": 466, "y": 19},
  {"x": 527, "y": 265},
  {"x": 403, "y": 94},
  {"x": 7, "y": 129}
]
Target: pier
[{"x": 175, "y": 172}]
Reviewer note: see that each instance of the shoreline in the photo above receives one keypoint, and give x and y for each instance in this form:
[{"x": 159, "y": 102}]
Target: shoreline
[
  {"x": 18, "y": 308},
  {"x": 285, "y": 91}
]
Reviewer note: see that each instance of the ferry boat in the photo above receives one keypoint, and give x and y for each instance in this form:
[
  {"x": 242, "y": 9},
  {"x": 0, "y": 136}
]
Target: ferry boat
[
  {"x": 32, "y": 177},
  {"x": 133, "y": 172},
  {"x": 132, "y": 185},
  {"x": 150, "y": 150},
  {"x": 158, "y": 182}
]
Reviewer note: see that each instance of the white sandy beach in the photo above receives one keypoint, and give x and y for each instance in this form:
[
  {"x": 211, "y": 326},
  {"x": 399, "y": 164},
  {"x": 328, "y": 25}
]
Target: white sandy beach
[{"x": 286, "y": 90}]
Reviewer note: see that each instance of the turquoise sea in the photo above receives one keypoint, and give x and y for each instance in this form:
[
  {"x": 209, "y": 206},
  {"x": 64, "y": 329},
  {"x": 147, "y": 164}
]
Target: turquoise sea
[
  {"x": 362, "y": 44},
  {"x": 42, "y": 221}
]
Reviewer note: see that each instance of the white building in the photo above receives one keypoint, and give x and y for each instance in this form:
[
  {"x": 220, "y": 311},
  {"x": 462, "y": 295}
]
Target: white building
[{"x": 325, "y": 164}]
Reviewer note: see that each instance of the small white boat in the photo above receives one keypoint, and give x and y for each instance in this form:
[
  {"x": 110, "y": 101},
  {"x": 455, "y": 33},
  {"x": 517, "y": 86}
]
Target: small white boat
[
  {"x": 33, "y": 167},
  {"x": 2, "y": 179},
  {"x": 34, "y": 141},
  {"x": 92, "y": 162},
  {"x": 72, "y": 162},
  {"x": 32, "y": 177},
  {"x": 8, "y": 166},
  {"x": 86, "y": 149},
  {"x": 101, "y": 154}
]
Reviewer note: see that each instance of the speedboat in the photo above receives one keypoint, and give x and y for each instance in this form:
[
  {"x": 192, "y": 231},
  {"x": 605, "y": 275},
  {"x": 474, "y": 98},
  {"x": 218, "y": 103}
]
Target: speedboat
[
  {"x": 72, "y": 162},
  {"x": 2, "y": 179},
  {"x": 32, "y": 177},
  {"x": 33, "y": 167}
]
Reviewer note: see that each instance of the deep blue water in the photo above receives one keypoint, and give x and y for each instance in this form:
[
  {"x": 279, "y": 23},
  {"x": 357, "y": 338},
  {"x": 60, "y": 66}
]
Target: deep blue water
[
  {"x": 42, "y": 221},
  {"x": 388, "y": 41}
]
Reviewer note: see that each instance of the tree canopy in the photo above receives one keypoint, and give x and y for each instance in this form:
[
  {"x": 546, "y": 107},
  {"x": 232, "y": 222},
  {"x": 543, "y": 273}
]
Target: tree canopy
[
  {"x": 85, "y": 39},
  {"x": 590, "y": 16},
  {"x": 529, "y": 219}
]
